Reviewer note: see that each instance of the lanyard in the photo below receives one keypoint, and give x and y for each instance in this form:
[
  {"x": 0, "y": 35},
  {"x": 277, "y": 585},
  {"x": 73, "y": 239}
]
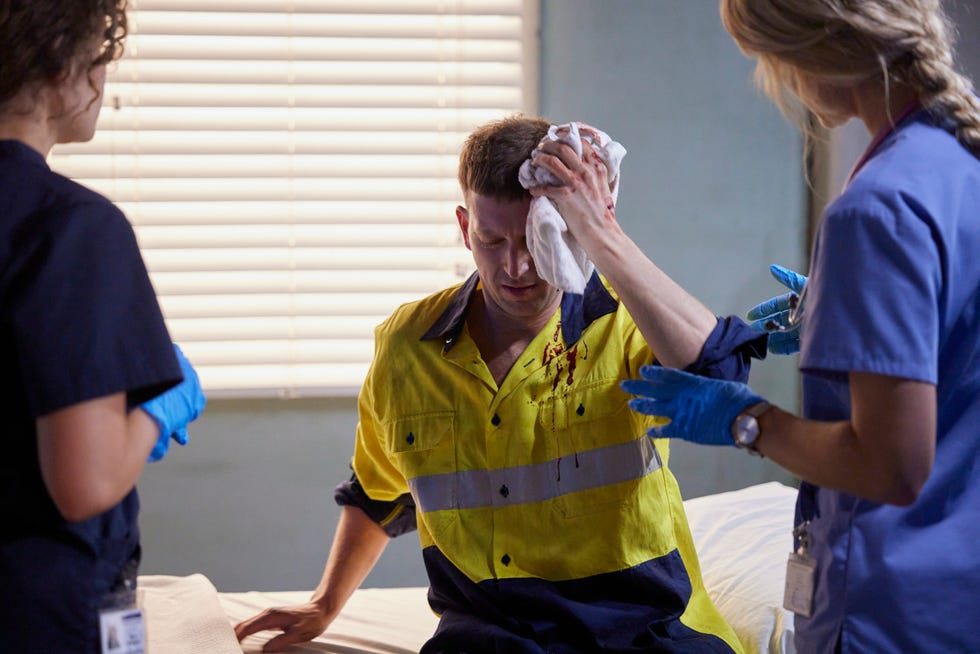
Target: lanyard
[{"x": 882, "y": 134}]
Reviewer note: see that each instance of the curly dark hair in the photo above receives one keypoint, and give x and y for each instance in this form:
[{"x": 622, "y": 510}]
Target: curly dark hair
[{"x": 43, "y": 38}]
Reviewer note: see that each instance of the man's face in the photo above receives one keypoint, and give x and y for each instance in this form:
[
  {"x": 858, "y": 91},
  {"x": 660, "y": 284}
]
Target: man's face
[{"x": 494, "y": 231}]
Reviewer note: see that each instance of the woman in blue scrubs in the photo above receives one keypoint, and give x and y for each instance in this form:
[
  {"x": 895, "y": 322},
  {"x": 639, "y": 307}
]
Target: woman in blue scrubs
[
  {"x": 888, "y": 518},
  {"x": 82, "y": 344}
]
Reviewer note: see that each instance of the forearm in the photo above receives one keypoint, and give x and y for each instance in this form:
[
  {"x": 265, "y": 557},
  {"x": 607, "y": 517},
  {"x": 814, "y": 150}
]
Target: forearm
[
  {"x": 672, "y": 321},
  {"x": 142, "y": 434},
  {"x": 884, "y": 453},
  {"x": 357, "y": 544},
  {"x": 823, "y": 453},
  {"x": 115, "y": 472},
  {"x": 91, "y": 454}
]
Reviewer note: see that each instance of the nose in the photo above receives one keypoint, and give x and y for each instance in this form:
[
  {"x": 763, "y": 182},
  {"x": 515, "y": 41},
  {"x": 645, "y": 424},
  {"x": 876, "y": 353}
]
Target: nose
[{"x": 519, "y": 260}]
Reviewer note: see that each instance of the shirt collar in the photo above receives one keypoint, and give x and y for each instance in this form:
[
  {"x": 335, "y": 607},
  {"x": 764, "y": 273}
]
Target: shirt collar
[
  {"x": 893, "y": 125},
  {"x": 21, "y": 151},
  {"x": 578, "y": 311}
]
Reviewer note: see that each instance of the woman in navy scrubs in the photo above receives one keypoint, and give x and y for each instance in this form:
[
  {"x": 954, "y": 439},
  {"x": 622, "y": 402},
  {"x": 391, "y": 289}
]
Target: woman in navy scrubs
[{"x": 91, "y": 385}]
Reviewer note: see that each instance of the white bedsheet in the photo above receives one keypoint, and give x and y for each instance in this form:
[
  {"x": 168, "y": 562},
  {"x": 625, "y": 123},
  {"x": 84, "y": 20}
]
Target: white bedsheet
[{"x": 742, "y": 537}]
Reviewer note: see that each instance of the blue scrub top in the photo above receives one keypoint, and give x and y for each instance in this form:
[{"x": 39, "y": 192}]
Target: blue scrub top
[
  {"x": 78, "y": 320},
  {"x": 894, "y": 291}
]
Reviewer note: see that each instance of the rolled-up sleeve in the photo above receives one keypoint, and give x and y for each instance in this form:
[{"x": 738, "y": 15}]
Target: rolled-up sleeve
[
  {"x": 396, "y": 517},
  {"x": 728, "y": 351}
]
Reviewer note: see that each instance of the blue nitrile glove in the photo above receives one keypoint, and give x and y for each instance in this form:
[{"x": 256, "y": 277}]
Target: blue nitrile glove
[
  {"x": 175, "y": 408},
  {"x": 785, "y": 340},
  {"x": 701, "y": 410}
]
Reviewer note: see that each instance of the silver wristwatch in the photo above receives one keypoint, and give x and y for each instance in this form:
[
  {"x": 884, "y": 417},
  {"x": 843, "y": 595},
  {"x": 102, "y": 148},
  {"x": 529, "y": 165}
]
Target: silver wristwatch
[{"x": 745, "y": 427}]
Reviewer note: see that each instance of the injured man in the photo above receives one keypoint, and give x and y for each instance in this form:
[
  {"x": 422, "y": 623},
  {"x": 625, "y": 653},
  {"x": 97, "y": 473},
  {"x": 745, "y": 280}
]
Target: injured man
[{"x": 492, "y": 422}]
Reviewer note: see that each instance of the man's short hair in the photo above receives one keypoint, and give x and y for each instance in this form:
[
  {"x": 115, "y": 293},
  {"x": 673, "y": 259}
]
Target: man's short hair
[{"x": 493, "y": 153}]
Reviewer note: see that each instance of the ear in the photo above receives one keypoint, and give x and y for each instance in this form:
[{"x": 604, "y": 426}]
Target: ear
[
  {"x": 61, "y": 92},
  {"x": 463, "y": 218}
]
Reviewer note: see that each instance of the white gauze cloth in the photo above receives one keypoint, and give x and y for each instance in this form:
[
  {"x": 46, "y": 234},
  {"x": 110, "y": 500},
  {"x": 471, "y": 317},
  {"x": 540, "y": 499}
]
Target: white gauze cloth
[{"x": 558, "y": 257}]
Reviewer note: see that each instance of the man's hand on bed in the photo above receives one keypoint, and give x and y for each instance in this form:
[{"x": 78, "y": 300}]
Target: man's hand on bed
[
  {"x": 299, "y": 624},
  {"x": 700, "y": 410}
]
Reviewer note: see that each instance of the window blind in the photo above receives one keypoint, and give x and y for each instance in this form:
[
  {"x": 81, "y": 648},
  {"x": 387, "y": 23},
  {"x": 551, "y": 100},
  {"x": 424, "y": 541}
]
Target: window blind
[{"x": 289, "y": 167}]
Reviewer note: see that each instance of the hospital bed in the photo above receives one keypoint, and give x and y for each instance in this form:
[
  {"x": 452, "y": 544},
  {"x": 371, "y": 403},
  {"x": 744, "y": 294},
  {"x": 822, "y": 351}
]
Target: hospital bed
[{"x": 742, "y": 538}]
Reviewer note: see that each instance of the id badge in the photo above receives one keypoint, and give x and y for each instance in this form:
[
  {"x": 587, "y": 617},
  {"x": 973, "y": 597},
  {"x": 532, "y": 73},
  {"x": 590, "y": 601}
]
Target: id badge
[
  {"x": 121, "y": 626},
  {"x": 801, "y": 571}
]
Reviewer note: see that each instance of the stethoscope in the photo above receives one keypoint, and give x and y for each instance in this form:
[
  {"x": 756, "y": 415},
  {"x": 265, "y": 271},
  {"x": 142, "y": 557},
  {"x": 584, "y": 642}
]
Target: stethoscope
[{"x": 794, "y": 316}]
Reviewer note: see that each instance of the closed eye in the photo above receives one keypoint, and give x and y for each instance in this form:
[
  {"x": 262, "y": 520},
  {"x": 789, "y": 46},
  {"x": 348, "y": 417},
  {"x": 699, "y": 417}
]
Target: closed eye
[{"x": 490, "y": 241}]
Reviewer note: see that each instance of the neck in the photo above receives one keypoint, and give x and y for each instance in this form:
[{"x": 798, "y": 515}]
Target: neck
[
  {"x": 876, "y": 110},
  {"x": 501, "y": 339},
  {"x": 502, "y": 329},
  {"x": 27, "y": 117},
  {"x": 29, "y": 138}
]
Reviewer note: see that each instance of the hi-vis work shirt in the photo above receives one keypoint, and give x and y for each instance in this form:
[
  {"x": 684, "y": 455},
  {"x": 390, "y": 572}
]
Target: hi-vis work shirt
[{"x": 548, "y": 519}]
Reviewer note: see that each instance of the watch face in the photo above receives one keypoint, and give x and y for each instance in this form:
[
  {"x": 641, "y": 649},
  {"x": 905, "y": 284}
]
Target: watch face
[{"x": 746, "y": 430}]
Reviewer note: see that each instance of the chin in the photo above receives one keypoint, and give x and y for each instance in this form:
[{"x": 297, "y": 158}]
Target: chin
[
  {"x": 78, "y": 135},
  {"x": 831, "y": 122},
  {"x": 86, "y": 133}
]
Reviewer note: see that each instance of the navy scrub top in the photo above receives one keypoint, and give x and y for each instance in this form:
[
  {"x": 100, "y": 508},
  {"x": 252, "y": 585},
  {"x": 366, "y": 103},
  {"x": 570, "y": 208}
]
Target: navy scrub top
[{"x": 78, "y": 320}]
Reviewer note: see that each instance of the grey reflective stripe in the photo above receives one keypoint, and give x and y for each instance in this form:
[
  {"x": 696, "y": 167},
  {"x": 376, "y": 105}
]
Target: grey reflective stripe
[{"x": 474, "y": 489}]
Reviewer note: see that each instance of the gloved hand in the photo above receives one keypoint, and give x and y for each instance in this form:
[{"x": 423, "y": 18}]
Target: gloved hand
[
  {"x": 701, "y": 410},
  {"x": 175, "y": 408},
  {"x": 773, "y": 314}
]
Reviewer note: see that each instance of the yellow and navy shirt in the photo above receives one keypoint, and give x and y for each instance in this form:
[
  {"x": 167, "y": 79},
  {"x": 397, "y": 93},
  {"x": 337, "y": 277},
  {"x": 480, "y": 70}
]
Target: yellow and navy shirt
[{"x": 548, "y": 519}]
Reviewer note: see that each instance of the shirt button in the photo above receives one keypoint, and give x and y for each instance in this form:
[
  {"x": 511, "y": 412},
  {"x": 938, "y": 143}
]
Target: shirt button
[
  {"x": 495, "y": 420},
  {"x": 505, "y": 559},
  {"x": 504, "y": 490},
  {"x": 410, "y": 438}
]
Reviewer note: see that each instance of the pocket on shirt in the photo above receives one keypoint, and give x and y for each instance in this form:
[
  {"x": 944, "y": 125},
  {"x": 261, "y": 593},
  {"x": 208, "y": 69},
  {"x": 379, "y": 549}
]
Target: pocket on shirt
[
  {"x": 582, "y": 430},
  {"x": 422, "y": 432},
  {"x": 422, "y": 446}
]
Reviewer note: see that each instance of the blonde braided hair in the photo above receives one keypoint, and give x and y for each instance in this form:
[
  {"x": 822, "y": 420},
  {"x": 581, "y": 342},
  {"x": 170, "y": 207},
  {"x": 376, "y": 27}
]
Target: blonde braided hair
[
  {"x": 854, "y": 40},
  {"x": 944, "y": 91}
]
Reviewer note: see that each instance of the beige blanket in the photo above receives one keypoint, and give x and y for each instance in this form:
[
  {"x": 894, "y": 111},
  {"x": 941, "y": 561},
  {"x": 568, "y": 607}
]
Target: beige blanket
[
  {"x": 374, "y": 621},
  {"x": 183, "y": 615},
  {"x": 186, "y": 615}
]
